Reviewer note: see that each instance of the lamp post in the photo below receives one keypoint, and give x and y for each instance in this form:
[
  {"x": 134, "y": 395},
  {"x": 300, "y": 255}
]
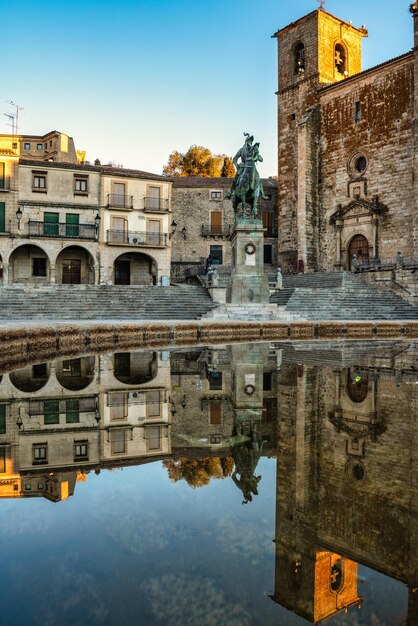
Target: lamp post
[
  {"x": 19, "y": 215},
  {"x": 173, "y": 228}
]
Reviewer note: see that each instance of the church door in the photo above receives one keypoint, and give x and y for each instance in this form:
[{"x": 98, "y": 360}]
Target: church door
[{"x": 359, "y": 246}]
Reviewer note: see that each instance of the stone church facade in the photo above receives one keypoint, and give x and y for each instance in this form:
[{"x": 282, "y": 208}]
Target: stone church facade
[{"x": 347, "y": 148}]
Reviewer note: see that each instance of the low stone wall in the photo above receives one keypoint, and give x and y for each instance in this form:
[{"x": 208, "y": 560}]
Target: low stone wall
[{"x": 37, "y": 344}]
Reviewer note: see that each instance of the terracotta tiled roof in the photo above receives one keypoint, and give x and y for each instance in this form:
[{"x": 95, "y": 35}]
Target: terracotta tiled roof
[
  {"x": 102, "y": 169},
  {"x": 393, "y": 61},
  {"x": 199, "y": 182}
]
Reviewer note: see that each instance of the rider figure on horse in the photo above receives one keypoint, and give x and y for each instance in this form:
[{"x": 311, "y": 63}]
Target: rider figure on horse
[{"x": 247, "y": 185}]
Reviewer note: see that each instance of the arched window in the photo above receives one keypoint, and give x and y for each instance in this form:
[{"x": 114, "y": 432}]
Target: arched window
[
  {"x": 340, "y": 59},
  {"x": 357, "y": 386},
  {"x": 299, "y": 59}
]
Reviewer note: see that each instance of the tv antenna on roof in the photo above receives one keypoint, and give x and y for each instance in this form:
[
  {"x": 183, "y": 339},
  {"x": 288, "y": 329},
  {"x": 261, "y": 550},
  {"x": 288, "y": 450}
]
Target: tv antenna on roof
[{"x": 14, "y": 117}]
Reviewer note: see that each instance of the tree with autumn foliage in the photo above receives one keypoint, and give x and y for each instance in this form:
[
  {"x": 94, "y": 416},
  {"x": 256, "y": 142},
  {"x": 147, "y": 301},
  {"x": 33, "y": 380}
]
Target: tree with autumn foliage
[
  {"x": 197, "y": 161},
  {"x": 228, "y": 168},
  {"x": 199, "y": 472}
]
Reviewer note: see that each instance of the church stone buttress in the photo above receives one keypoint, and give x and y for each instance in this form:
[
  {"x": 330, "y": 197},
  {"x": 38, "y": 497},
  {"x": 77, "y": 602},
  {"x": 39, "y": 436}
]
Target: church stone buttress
[{"x": 316, "y": 50}]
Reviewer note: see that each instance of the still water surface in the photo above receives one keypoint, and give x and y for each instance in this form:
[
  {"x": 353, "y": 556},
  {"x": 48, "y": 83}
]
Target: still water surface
[{"x": 259, "y": 484}]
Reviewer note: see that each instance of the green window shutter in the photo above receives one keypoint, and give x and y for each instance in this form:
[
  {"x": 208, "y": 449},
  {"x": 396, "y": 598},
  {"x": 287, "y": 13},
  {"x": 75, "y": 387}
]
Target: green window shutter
[
  {"x": 3, "y": 419},
  {"x": 51, "y": 412},
  {"x": 51, "y": 224},
  {"x": 72, "y": 411},
  {"x": 2, "y": 217},
  {"x": 72, "y": 221}
]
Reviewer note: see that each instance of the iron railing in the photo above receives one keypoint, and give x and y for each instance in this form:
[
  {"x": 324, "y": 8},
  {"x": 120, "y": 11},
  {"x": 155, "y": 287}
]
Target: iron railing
[
  {"x": 45, "y": 407},
  {"x": 374, "y": 265},
  {"x": 140, "y": 238},
  {"x": 216, "y": 231},
  {"x": 72, "y": 231},
  {"x": 156, "y": 204},
  {"x": 119, "y": 201}
]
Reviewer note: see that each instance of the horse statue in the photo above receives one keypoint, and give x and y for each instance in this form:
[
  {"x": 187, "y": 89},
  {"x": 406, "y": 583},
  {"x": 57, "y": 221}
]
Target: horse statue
[{"x": 247, "y": 187}]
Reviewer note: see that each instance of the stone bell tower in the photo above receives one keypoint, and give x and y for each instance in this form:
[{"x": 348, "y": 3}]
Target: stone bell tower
[{"x": 314, "y": 51}]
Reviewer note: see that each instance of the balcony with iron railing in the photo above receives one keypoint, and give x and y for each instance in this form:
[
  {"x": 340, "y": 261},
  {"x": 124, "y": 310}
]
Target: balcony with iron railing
[
  {"x": 63, "y": 406},
  {"x": 4, "y": 183},
  {"x": 156, "y": 204},
  {"x": 214, "y": 230},
  {"x": 137, "y": 239},
  {"x": 119, "y": 201},
  {"x": 70, "y": 231}
]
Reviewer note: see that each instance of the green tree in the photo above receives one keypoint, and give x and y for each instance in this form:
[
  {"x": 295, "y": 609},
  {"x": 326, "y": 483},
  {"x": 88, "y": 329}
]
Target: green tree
[
  {"x": 197, "y": 161},
  {"x": 228, "y": 168}
]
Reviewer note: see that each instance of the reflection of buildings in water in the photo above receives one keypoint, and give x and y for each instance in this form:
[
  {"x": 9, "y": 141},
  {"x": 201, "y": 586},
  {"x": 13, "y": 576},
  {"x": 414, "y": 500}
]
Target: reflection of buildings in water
[
  {"x": 346, "y": 483},
  {"x": 60, "y": 420}
]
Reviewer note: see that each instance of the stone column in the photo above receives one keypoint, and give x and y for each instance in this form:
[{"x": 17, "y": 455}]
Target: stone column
[
  {"x": 339, "y": 227},
  {"x": 52, "y": 274},
  {"x": 8, "y": 273},
  {"x": 375, "y": 223}
]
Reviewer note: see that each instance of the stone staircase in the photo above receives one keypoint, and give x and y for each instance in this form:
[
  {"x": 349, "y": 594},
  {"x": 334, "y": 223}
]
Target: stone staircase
[
  {"x": 112, "y": 302},
  {"x": 340, "y": 296}
]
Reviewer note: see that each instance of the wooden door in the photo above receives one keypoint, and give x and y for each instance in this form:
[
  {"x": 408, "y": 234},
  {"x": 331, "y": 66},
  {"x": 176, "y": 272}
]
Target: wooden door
[
  {"x": 154, "y": 198},
  {"x": 71, "y": 271},
  {"x": 122, "y": 272},
  {"x": 119, "y": 231},
  {"x": 359, "y": 246},
  {"x": 216, "y": 222},
  {"x": 153, "y": 235}
]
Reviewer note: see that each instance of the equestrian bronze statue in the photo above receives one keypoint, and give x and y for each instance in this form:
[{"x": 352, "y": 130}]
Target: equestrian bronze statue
[{"x": 246, "y": 188}]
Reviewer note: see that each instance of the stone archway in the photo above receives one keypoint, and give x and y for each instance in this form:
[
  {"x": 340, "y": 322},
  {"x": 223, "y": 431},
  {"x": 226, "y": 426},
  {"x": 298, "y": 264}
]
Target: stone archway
[
  {"x": 29, "y": 264},
  {"x": 74, "y": 266},
  {"x": 135, "y": 268},
  {"x": 359, "y": 249}
]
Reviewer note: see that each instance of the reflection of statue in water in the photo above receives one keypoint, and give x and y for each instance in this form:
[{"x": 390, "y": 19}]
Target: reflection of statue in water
[
  {"x": 246, "y": 452},
  {"x": 247, "y": 187}
]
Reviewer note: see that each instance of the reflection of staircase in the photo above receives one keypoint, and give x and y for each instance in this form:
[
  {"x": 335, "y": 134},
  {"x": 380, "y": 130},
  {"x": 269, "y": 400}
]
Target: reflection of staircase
[
  {"x": 340, "y": 296},
  {"x": 113, "y": 302}
]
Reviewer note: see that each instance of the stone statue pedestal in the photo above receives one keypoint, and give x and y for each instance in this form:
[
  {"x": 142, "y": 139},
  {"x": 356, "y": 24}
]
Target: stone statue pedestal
[{"x": 249, "y": 283}]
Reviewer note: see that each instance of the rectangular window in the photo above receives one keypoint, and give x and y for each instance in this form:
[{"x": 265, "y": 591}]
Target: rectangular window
[
  {"x": 72, "y": 411},
  {"x": 153, "y": 404},
  {"x": 153, "y": 235},
  {"x": 215, "y": 409},
  {"x": 215, "y": 381},
  {"x": 40, "y": 486},
  {"x": 28, "y": 487},
  {"x": 71, "y": 368},
  {"x": 26, "y": 146},
  {"x": 51, "y": 412},
  {"x": 268, "y": 223},
  {"x": 267, "y": 381},
  {"x": 38, "y": 181},
  {"x": 357, "y": 112},
  {"x": 216, "y": 195},
  {"x": 81, "y": 449},
  {"x": 40, "y": 453},
  {"x": 81, "y": 185},
  {"x": 268, "y": 254},
  {"x": 153, "y": 437},
  {"x": 3, "y": 419},
  {"x": 119, "y": 230},
  {"x": 39, "y": 146},
  {"x": 122, "y": 364},
  {"x": 118, "y": 402},
  {"x": 2, "y": 175},
  {"x": 216, "y": 222},
  {"x": 2, "y": 460},
  {"x": 72, "y": 228},
  {"x": 216, "y": 254},
  {"x": 40, "y": 370},
  {"x": 38, "y": 267},
  {"x": 118, "y": 441},
  {"x": 2, "y": 216}
]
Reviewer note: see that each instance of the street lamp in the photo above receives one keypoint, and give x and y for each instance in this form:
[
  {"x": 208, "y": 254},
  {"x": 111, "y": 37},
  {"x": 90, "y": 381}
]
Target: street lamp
[
  {"x": 173, "y": 228},
  {"x": 19, "y": 215}
]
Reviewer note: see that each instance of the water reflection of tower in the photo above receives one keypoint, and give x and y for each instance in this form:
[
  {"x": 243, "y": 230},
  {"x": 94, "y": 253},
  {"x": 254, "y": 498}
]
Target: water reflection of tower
[
  {"x": 311, "y": 581},
  {"x": 247, "y": 399}
]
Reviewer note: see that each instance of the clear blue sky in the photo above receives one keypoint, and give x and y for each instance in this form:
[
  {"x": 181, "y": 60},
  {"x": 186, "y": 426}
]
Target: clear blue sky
[{"x": 135, "y": 79}]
